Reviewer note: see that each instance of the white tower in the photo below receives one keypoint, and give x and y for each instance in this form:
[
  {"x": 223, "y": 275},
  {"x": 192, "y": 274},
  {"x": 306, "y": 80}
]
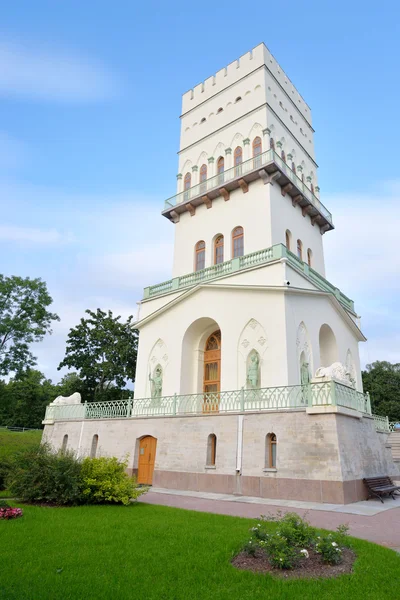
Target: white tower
[{"x": 248, "y": 258}]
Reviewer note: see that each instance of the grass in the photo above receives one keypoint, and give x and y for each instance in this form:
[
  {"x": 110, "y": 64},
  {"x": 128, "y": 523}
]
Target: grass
[
  {"x": 13, "y": 441},
  {"x": 159, "y": 553}
]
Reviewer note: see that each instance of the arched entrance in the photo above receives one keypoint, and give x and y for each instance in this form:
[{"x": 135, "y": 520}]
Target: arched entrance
[
  {"x": 147, "y": 456},
  {"x": 212, "y": 371}
]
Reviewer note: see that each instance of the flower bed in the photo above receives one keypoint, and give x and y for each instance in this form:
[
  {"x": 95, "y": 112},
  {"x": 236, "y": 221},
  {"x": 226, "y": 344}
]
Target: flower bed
[
  {"x": 295, "y": 549},
  {"x": 6, "y": 512}
]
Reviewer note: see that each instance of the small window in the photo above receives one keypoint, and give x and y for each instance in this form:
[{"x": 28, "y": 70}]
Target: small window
[
  {"x": 309, "y": 257},
  {"x": 312, "y": 188},
  {"x": 220, "y": 110},
  {"x": 238, "y": 159},
  {"x": 203, "y": 120},
  {"x": 283, "y": 156},
  {"x": 272, "y": 144},
  {"x": 288, "y": 237},
  {"x": 238, "y": 99},
  {"x": 237, "y": 242},
  {"x": 293, "y": 167},
  {"x": 270, "y": 451},
  {"x": 64, "y": 443},
  {"x": 93, "y": 450},
  {"x": 203, "y": 178},
  {"x": 219, "y": 250},
  {"x": 200, "y": 256},
  {"x": 300, "y": 249},
  {"x": 211, "y": 450},
  {"x": 220, "y": 169},
  {"x": 187, "y": 181}
]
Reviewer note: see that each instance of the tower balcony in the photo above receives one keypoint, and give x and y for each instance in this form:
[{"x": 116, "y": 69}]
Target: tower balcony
[{"x": 267, "y": 166}]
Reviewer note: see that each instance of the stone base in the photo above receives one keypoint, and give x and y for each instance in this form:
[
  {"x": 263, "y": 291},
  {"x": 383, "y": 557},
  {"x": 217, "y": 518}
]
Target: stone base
[{"x": 306, "y": 490}]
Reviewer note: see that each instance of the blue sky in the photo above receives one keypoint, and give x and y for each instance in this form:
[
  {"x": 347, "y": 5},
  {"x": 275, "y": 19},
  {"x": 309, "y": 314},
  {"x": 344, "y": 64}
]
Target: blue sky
[{"x": 90, "y": 95}]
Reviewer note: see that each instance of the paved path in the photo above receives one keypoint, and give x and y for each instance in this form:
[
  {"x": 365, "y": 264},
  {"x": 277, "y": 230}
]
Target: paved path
[{"x": 381, "y": 523}]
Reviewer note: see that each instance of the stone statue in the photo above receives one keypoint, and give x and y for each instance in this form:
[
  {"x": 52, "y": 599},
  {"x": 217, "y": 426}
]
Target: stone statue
[
  {"x": 73, "y": 399},
  {"x": 252, "y": 371},
  {"x": 338, "y": 372},
  {"x": 305, "y": 373},
  {"x": 156, "y": 382}
]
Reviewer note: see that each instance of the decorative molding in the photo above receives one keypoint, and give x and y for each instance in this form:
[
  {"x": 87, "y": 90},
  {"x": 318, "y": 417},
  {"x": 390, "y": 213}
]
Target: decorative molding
[
  {"x": 228, "y": 151},
  {"x": 246, "y": 141},
  {"x": 207, "y": 201},
  {"x": 297, "y": 199},
  {"x": 286, "y": 188},
  {"x": 195, "y": 168},
  {"x": 243, "y": 185},
  {"x": 175, "y": 216},
  {"x": 266, "y": 131},
  {"x": 245, "y": 343},
  {"x": 224, "y": 193},
  {"x": 268, "y": 178},
  {"x": 191, "y": 209},
  {"x": 210, "y": 160},
  {"x": 179, "y": 176}
]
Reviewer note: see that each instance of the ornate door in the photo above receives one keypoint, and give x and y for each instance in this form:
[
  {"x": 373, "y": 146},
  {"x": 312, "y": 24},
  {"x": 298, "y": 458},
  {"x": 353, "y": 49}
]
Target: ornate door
[
  {"x": 147, "y": 455},
  {"x": 212, "y": 372}
]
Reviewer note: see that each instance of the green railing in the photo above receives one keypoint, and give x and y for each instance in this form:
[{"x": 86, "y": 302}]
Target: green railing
[
  {"x": 259, "y": 257},
  {"x": 328, "y": 393},
  {"x": 238, "y": 171},
  {"x": 383, "y": 424}
]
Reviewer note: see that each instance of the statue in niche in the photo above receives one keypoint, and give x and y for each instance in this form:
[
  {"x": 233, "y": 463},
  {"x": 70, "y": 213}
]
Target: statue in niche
[
  {"x": 156, "y": 382},
  {"x": 253, "y": 375},
  {"x": 305, "y": 373}
]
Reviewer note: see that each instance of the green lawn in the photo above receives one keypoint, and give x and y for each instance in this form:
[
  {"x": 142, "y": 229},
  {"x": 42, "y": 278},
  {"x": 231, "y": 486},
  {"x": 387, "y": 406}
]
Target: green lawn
[
  {"x": 152, "y": 552},
  {"x": 12, "y": 441}
]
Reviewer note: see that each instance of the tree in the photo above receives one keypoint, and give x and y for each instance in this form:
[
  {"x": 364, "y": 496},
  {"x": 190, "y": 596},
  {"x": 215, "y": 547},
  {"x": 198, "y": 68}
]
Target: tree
[
  {"x": 103, "y": 350},
  {"x": 382, "y": 380},
  {"x": 24, "y": 319},
  {"x": 29, "y": 392}
]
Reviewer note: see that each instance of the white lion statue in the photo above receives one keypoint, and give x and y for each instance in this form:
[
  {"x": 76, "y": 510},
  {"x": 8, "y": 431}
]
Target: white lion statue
[
  {"x": 73, "y": 399},
  {"x": 338, "y": 372}
]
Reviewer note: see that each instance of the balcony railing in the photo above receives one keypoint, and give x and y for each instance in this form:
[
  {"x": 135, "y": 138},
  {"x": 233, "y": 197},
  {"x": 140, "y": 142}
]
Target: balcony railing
[
  {"x": 383, "y": 424},
  {"x": 250, "y": 170},
  {"x": 258, "y": 258},
  {"x": 329, "y": 393}
]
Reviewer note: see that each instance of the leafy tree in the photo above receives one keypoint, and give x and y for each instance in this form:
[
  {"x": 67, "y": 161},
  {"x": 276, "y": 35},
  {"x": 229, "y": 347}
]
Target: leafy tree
[
  {"x": 69, "y": 384},
  {"x": 103, "y": 350},
  {"x": 382, "y": 380},
  {"x": 24, "y": 319},
  {"x": 29, "y": 392}
]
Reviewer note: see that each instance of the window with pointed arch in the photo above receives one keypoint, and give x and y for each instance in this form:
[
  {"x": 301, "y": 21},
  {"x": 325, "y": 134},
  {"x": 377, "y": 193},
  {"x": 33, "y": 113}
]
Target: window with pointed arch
[
  {"x": 237, "y": 242},
  {"x": 300, "y": 249},
  {"x": 203, "y": 178},
  {"x": 257, "y": 151},
  {"x": 312, "y": 188},
  {"x": 237, "y": 160},
  {"x": 309, "y": 257},
  {"x": 272, "y": 144},
  {"x": 93, "y": 449},
  {"x": 288, "y": 239},
  {"x": 293, "y": 167},
  {"x": 211, "y": 450},
  {"x": 283, "y": 156},
  {"x": 186, "y": 185},
  {"x": 270, "y": 451},
  {"x": 64, "y": 443},
  {"x": 219, "y": 250},
  {"x": 220, "y": 169},
  {"x": 200, "y": 256}
]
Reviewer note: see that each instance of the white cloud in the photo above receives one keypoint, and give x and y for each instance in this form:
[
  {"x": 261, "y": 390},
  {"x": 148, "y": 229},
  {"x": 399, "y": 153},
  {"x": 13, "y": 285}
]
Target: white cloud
[
  {"x": 52, "y": 74},
  {"x": 30, "y": 235}
]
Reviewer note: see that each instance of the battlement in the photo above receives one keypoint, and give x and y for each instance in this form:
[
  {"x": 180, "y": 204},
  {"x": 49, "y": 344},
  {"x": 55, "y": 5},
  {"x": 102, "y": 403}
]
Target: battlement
[{"x": 236, "y": 70}]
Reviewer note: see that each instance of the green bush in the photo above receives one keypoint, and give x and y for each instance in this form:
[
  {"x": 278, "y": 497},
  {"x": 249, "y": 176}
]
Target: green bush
[
  {"x": 41, "y": 475},
  {"x": 329, "y": 549},
  {"x": 105, "y": 480},
  {"x": 5, "y": 467}
]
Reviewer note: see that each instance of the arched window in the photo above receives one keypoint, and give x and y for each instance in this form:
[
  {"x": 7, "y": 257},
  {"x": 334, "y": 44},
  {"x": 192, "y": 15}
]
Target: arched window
[
  {"x": 272, "y": 144},
  {"x": 302, "y": 177},
  {"x": 186, "y": 185},
  {"x": 200, "y": 258},
  {"x": 220, "y": 110},
  {"x": 64, "y": 443},
  {"x": 238, "y": 159},
  {"x": 93, "y": 450},
  {"x": 270, "y": 451},
  {"x": 312, "y": 188},
  {"x": 237, "y": 242},
  {"x": 203, "y": 120},
  {"x": 300, "y": 249},
  {"x": 219, "y": 250},
  {"x": 203, "y": 178},
  {"x": 283, "y": 156},
  {"x": 220, "y": 169},
  {"x": 309, "y": 257},
  {"x": 238, "y": 99},
  {"x": 288, "y": 239},
  {"x": 211, "y": 450},
  {"x": 257, "y": 150},
  {"x": 293, "y": 167}
]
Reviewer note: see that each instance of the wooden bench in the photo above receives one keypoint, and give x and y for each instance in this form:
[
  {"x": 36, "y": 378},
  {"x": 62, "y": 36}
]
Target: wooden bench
[{"x": 381, "y": 486}]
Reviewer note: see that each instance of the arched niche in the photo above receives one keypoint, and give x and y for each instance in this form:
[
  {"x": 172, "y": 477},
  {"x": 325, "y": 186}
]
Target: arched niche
[
  {"x": 304, "y": 351},
  {"x": 158, "y": 356},
  {"x": 328, "y": 352},
  {"x": 253, "y": 370},
  {"x": 252, "y": 339},
  {"x": 193, "y": 345}
]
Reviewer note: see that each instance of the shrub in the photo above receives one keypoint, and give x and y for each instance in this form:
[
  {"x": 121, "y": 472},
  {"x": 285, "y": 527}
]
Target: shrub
[
  {"x": 105, "y": 480},
  {"x": 328, "y": 549},
  {"x": 296, "y": 530},
  {"x": 280, "y": 551},
  {"x": 42, "y": 475},
  {"x": 8, "y": 513},
  {"x": 5, "y": 467}
]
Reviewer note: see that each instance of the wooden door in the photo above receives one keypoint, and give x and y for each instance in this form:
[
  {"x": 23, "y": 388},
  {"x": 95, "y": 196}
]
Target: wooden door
[
  {"x": 212, "y": 372},
  {"x": 147, "y": 456}
]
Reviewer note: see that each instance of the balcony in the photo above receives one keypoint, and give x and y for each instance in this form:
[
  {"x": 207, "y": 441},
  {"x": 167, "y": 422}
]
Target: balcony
[
  {"x": 269, "y": 167},
  {"x": 248, "y": 261},
  {"x": 295, "y": 397}
]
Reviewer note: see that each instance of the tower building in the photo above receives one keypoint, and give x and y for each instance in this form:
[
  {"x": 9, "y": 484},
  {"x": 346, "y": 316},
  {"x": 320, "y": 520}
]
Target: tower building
[{"x": 248, "y": 374}]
